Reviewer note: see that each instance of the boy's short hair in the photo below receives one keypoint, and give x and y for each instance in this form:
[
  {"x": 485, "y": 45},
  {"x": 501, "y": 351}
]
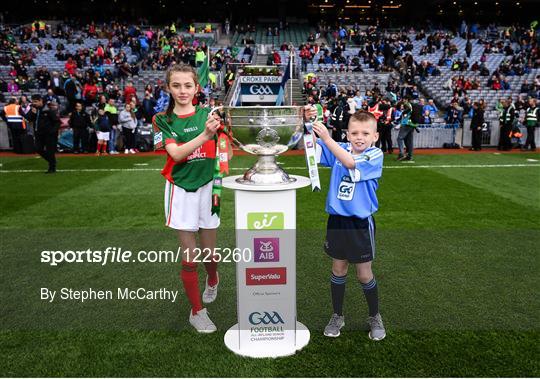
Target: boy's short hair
[{"x": 363, "y": 116}]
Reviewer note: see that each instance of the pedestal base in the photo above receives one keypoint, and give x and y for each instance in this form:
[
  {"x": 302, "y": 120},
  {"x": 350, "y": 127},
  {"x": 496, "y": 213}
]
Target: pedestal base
[{"x": 232, "y": 340}]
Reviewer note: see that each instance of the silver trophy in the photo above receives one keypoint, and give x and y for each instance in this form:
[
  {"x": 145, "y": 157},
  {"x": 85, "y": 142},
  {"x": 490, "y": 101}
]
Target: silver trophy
[{"x": 265, "y": 132}]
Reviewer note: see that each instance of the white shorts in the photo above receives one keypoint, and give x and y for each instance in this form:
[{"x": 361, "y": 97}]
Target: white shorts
[
  {"x": 189, "y": 211},
  {"x": 104, "y": 136}
]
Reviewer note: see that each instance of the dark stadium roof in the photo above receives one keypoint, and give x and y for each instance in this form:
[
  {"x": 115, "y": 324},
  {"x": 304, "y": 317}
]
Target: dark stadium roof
[{"x": 395, "y": 12}]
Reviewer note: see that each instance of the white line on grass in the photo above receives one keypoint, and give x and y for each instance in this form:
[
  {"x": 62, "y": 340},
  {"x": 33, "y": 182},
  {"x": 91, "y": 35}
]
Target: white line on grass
[{"x": 286, "y": 168}]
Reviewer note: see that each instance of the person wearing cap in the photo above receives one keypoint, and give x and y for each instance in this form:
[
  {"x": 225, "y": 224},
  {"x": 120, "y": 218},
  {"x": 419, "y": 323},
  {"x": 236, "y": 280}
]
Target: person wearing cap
[{"x": 46, "y": 124}]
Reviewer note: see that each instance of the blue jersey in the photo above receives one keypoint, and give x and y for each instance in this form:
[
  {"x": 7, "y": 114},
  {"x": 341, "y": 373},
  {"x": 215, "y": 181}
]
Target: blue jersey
[{"x": 352, "y": 192}]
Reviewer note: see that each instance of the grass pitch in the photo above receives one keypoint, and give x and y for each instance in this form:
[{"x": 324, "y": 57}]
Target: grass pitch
[{"x": 457, "y": 263}]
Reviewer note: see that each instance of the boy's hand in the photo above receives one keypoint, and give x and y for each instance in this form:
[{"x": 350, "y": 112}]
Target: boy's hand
[
  {"x": 310, "y": 112},
  {"x": 321, "y": 130}
]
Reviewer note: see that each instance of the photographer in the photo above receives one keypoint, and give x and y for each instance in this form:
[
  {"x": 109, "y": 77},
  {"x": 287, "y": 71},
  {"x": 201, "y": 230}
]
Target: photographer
[
  {"x": 411, "y": 118},
  {"x": 46, "y": 124}
]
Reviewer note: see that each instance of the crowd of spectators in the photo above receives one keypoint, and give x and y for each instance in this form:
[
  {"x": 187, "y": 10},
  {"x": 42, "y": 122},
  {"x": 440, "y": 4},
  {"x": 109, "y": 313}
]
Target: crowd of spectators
[{"x": 98, "y": 75}]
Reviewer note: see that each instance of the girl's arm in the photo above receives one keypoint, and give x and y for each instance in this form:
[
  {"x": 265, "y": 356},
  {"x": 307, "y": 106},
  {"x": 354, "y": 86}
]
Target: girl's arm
[
  {"x": 341, "y": 154},
  {"x": 179, "y": 153}
]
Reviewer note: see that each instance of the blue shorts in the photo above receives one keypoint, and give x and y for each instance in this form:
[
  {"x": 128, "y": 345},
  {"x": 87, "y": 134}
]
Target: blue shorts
[{"x": 350, "y": 238}]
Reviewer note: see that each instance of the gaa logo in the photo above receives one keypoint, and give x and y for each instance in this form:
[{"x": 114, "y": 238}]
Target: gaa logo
[
  {"x": 265, "y": 318},
  {"x": 257, "y": 89}
]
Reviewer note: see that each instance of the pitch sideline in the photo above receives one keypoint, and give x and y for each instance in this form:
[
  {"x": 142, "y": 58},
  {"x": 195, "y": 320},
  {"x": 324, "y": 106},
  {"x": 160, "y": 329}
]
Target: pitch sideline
[{"x": 288, "y": 168}]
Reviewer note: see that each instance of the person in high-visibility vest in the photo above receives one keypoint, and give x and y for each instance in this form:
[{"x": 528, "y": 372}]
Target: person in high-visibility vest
[
  {"x": 13, "y": 116},
  {"x": 532, "y": 115},
  {"x": 42, "y": 27},
  {"x": 212, "y": 79},
  {"x": 200, "y": 56},
  {"x": 506, "y": 119}
]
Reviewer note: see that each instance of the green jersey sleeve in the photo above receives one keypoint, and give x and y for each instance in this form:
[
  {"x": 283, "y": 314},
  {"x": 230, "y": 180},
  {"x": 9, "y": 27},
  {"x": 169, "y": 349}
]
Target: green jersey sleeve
[{"x": 162, "y": 131}]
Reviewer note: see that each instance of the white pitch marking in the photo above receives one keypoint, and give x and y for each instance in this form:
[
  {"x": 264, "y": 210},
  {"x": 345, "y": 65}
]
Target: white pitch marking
[{"x": 286, "y": 168}]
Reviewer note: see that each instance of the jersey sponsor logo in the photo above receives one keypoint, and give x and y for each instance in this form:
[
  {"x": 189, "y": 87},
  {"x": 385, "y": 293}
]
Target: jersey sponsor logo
[
  {"x": 266, "y": 249},
  {"x": 174, "y": 134},
  {"x": 197, "y": 154},
  {"x": 257, "y": 89},
  {"x": 192, "y": 129},
  {"x": 265, "y": 220},
  {"x": 346, "y": 189},
  {"x": 265, "y": 318},
  {"x": 158, "y": 138},
  {"x": 266, "y": 276}
]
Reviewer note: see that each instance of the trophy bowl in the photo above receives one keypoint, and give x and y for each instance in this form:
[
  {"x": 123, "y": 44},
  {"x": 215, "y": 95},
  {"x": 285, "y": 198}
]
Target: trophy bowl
[{"x": 265, "y": 131}]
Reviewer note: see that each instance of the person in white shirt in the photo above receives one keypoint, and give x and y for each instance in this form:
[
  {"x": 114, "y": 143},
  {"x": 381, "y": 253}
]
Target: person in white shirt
[{"x": 128, "y": 122}]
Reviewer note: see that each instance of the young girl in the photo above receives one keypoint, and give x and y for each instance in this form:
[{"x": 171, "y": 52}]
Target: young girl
[
  {"x": 103, "y": 129},
  {"x": 188, "y": 134}
]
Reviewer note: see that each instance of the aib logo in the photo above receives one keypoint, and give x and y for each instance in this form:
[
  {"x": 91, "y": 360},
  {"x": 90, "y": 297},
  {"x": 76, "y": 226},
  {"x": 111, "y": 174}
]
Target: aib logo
[
  {"x": 266, "y": 221},
  {"x": 265, "y": 318},
  {"x": 266, "y": 249}
]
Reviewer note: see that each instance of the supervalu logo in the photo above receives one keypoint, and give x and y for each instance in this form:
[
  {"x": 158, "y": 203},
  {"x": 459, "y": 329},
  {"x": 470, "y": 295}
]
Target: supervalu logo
[
  {"x": 266, "y": 221},
  {"x": 266, "y": 276}
]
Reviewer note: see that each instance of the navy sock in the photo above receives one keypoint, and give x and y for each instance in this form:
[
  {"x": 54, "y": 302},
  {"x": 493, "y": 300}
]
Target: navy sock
[
  {"x": 337, "y": 287},
  {"x": 372, "y": 296}
]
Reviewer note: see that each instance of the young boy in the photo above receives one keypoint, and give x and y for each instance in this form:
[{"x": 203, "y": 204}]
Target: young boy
[{"x": 351, "y": 203}]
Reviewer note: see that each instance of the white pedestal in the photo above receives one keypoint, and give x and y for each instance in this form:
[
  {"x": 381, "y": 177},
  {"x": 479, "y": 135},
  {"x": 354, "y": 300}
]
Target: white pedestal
[{"x": 266, "y": 282}]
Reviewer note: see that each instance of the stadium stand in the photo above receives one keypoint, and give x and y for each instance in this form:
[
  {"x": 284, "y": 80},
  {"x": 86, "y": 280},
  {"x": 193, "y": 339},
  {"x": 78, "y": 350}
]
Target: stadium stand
[{"x": 370, "y": 63}]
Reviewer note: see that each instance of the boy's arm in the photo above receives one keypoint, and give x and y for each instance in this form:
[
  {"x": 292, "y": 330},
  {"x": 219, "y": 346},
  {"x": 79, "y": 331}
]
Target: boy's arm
[
  {"x": 368, "y": 165},
  {"x": 341, "y": 154}
]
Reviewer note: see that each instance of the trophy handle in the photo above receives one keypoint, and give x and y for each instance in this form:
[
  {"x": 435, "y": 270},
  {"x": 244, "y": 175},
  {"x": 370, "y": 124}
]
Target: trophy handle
[{"x": 215, "y": 109}]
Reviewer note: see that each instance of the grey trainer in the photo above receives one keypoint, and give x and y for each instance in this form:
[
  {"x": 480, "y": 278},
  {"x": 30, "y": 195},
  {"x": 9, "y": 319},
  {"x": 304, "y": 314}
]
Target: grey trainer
[
  {"x": 201, "y": 322},
  {"x": 210, "y": 293},
  {"x": 334, "y": 325},
  {"x": 377, "y": 331}
]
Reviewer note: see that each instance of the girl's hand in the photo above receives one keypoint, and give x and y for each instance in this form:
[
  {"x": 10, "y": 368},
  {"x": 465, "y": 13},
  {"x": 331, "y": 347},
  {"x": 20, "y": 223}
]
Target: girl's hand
[
  {"x": 321, "y": 130},
  {"x": 211, "y": 126}
]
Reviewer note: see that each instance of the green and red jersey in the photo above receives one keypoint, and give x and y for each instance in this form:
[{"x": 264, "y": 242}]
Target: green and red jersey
[{"x": 197, "y": 169}]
